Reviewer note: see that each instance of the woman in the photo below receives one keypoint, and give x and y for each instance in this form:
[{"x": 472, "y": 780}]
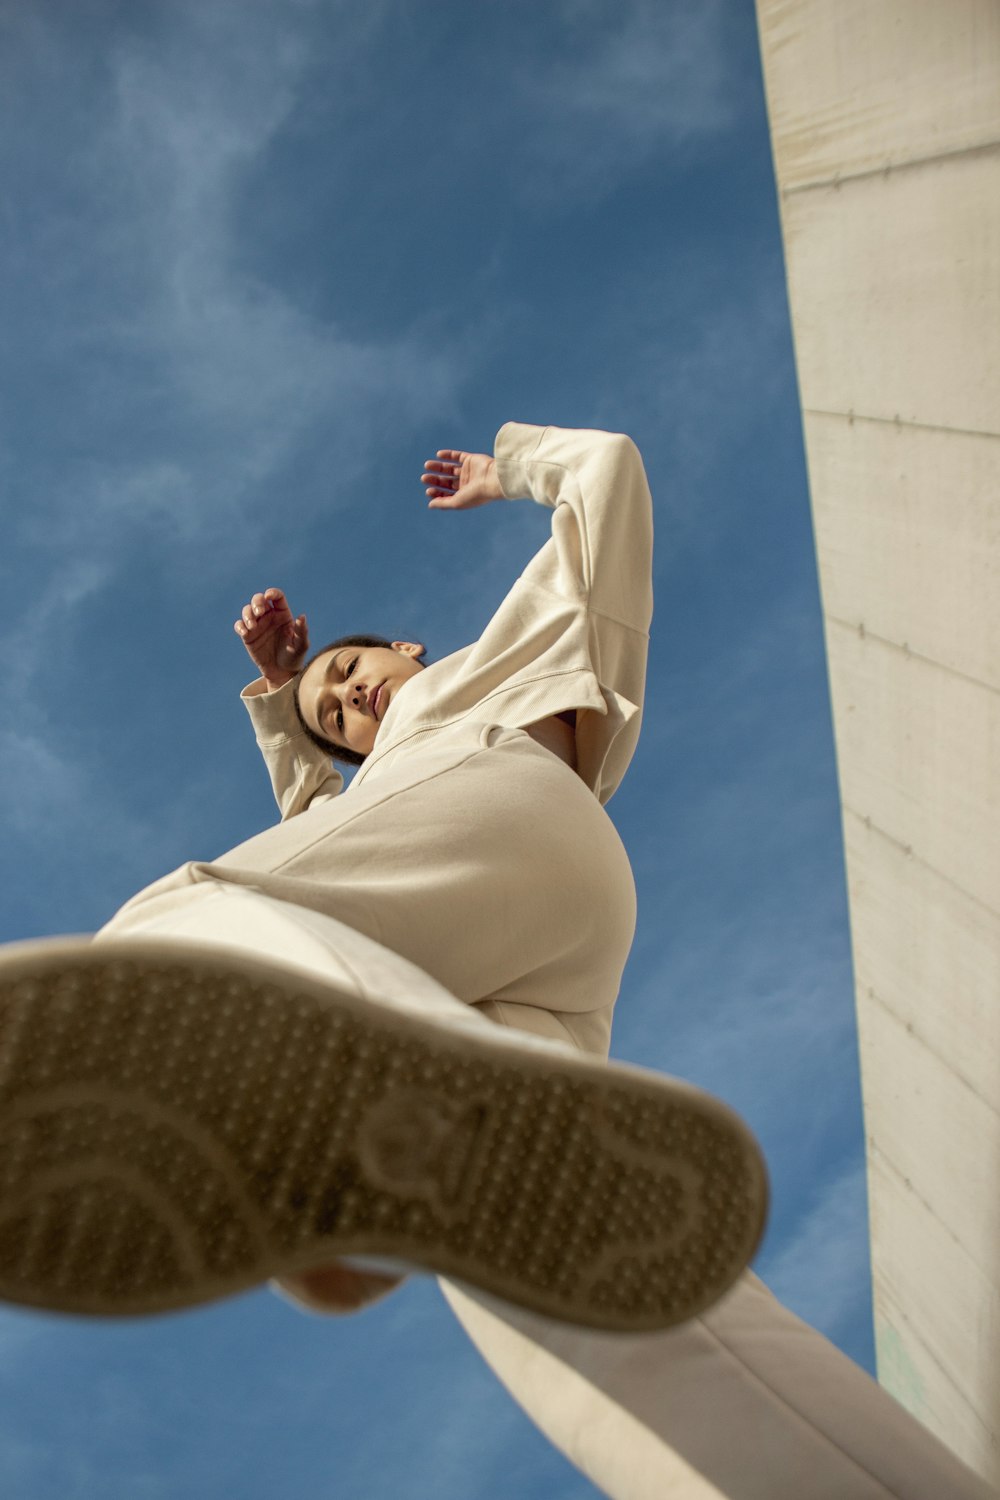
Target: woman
[
  {"x": 464, "y": 845},
  {"x": 363, "y": 1031}
]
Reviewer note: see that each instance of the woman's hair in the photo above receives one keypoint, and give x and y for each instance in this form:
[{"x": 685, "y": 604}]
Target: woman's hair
[{"x": 339, "y": 752}]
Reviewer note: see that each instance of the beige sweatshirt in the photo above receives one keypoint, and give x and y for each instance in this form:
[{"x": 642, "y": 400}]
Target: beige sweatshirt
[{"x": 572, "y": 633}]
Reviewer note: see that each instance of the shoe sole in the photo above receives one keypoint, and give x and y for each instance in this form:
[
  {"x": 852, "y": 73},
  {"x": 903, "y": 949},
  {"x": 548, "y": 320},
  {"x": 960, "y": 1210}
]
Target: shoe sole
[{"x": 178, "y": 1125}]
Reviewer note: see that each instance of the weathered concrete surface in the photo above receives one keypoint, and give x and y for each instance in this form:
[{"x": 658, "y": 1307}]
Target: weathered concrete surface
[{"x": 885, "y": 124}]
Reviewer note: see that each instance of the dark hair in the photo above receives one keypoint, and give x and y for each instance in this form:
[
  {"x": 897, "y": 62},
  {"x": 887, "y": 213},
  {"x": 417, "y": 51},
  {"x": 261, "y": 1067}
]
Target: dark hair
[{"x": 339, "y": 752}]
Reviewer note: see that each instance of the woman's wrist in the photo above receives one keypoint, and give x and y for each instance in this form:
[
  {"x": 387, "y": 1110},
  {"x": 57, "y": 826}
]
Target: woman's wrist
[{"x": 493, "y": 479}]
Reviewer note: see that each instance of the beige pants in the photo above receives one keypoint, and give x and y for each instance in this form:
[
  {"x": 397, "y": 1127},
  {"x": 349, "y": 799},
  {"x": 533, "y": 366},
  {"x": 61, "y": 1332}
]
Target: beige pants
[{"x": 745, "y": 1401}]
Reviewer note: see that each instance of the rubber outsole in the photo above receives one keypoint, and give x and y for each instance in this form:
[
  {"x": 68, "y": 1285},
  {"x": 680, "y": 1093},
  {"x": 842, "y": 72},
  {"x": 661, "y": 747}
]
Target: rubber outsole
[{"x": 178, "y": 1125}]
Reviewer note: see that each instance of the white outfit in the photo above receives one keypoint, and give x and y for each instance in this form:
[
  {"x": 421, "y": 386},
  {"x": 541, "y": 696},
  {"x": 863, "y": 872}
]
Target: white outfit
[
  {"x": 460, "y": 823},
  {"x": 465, "y": 848}
]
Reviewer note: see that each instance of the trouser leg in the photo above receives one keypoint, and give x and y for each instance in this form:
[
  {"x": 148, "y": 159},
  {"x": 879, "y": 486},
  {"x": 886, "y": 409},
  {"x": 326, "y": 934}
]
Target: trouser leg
[{"x": 746, "y": 1401}]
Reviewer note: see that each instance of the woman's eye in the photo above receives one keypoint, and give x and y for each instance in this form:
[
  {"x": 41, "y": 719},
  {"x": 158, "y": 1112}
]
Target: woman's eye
[
  {"x": 340, "y": 720},
  {"x": 352, "y": 666}
]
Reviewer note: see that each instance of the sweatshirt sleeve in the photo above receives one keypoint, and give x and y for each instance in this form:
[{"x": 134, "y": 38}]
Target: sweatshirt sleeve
[
  {"x": 601, "y": 547},
  {"x": 598, "y": 562},
  {"x": 301, "y": 774},
  {"x": 573, "y": 631}
]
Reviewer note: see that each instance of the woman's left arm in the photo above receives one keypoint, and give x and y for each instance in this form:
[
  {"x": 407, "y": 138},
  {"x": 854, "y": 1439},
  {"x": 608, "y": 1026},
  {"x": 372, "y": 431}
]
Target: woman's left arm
[
  {"x": 601, "y": 548},
  {"x": 585, "y": 601}
]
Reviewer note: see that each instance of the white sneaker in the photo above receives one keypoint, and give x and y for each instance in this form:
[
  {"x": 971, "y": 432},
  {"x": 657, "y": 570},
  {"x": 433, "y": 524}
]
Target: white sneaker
[{"x": 179, "y": 1124}]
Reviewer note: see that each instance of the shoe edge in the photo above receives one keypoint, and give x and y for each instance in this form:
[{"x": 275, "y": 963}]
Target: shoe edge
[{"x": 228, "y": 979}]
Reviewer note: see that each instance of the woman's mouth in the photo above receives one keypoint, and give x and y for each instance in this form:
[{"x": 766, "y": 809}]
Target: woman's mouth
[{"x": 377, "y": 699}]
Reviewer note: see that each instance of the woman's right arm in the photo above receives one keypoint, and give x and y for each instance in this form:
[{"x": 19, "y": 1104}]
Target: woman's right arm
[{"x": 277, "y": 641}]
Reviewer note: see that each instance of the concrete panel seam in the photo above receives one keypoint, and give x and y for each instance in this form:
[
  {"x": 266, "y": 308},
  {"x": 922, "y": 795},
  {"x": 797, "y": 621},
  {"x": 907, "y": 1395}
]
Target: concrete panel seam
[
  {"x": 840, "y": 179},
  {"x": 876, "y": 1151},
  {"x": 871, "y": 826},
  {"x": 911, "y": 1030},
  {"x": 850, "y": 417},
  {"x": 859, "y": 628}
]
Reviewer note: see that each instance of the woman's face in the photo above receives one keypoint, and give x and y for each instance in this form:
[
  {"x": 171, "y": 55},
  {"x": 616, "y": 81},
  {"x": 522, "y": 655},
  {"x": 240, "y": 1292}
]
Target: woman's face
[{"x": 344, "y": 694}]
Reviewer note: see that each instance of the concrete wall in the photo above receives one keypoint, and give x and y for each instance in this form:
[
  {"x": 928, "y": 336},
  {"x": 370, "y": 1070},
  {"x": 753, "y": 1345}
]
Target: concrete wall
[{"x": 885, "y": 124}]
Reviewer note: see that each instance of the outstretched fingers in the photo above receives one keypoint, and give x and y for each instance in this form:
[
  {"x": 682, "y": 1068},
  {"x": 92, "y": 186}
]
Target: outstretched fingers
[
  {"x": 441, "y": 475},
  {"x": 457, "y": 480}
]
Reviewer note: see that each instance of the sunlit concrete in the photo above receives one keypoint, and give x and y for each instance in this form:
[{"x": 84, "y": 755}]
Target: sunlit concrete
[{"x": 885, "y": 125}]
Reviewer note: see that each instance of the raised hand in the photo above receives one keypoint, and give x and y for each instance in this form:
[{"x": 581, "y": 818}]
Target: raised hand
[
  {"x": 276, "y": 640},
  {"x": 457, "y": 480}
]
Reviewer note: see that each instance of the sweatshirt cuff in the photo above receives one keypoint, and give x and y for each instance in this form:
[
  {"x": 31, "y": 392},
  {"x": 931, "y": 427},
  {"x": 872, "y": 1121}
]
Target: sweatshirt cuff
[
  {"x": 272, "y": 714},
  {"x": 513, "y": 450}
]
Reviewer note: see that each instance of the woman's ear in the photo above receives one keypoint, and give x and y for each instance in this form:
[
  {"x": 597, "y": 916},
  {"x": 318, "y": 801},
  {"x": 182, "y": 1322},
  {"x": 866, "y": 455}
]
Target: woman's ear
[{"x": 409, "y": 648}]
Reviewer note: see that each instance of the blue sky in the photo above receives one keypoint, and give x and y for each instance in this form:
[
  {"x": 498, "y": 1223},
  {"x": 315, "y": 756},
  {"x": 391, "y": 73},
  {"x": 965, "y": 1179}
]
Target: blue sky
[{"x": 260, "y": 261}]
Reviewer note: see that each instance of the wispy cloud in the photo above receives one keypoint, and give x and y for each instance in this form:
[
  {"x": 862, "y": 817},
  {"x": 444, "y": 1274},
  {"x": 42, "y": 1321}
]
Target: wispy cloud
[
  {"x": 247, "y": 373},
  {"x": 486, "y": 1435},
  {"x": 32, "y": 630},
  {"x": 85, "y": 850},
  {"x": 37, "y": 784},
  {"x": 196, "y": 386},
  {"x": 822, "y": 1272},
  {"x": 647, "y": 68},
  {"x": 708, "y": 368},
  {"x": 395, "y": 1401},
  {"x": 628, "y": 82},
  {"x": 741, "y": 1006}
]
